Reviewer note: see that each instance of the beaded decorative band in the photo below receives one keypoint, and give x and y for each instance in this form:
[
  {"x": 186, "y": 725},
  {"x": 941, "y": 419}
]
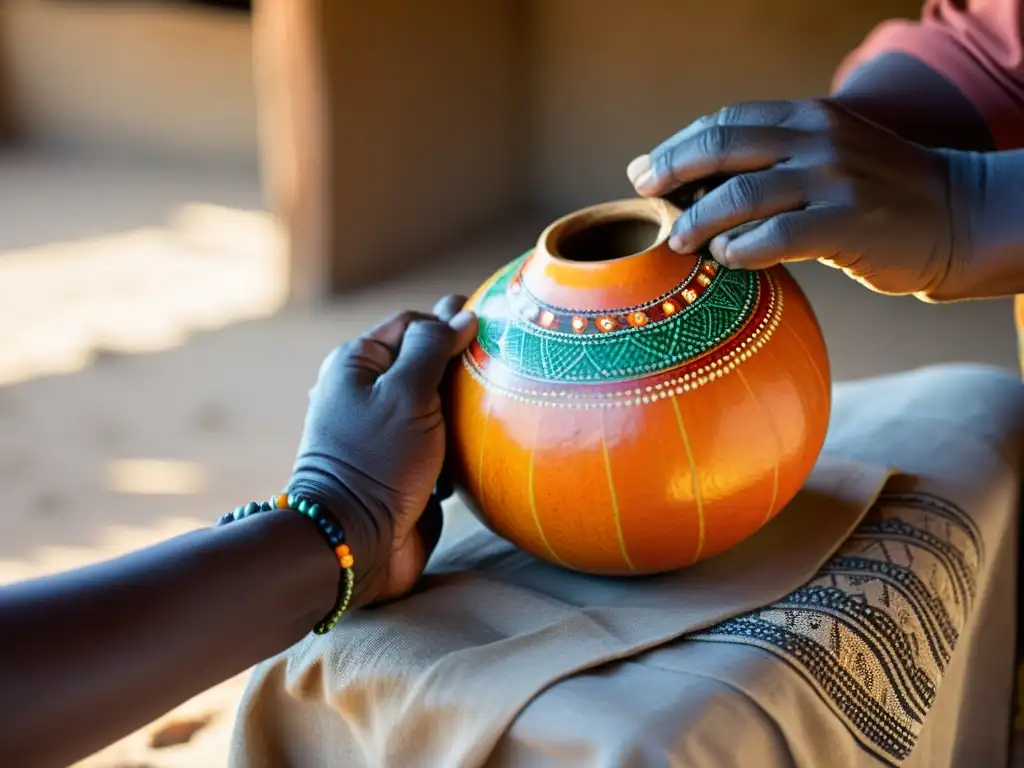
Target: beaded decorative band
[{"x": 332, "y": 532}]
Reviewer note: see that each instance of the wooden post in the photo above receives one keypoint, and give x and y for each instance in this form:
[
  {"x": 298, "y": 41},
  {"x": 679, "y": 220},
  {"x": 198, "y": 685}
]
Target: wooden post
[
  {"x": 293, "y": 100},
  {"x": 389, "y": 129}
]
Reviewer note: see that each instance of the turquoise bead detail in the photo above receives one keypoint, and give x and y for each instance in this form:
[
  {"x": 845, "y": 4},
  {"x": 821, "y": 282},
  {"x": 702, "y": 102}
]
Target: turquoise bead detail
[{"x": 331, "y": 531}]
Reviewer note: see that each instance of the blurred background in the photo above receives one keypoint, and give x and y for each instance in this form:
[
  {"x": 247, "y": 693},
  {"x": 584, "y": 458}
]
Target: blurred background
[{"x": 198, "y": 200}]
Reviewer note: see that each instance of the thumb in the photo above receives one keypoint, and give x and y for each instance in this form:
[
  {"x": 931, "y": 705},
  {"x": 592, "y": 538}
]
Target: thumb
[{"x": 427, "y": 348}]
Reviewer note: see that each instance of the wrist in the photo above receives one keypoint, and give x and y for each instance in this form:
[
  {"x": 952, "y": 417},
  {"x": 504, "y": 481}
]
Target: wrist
[
  {"x": 295, "y": 550},
  {"x": 987, "y": 259},
  {"x": 367, "y": 534},
  {"x": 313, "y": 565}
]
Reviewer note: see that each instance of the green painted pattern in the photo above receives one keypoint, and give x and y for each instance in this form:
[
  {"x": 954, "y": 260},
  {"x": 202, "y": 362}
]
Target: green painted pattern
[{"x": 539, "y": 354}]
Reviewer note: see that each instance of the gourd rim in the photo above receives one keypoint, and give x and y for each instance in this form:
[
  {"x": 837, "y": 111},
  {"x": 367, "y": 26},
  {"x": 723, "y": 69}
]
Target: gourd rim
[{"x": 651, "y": 210}]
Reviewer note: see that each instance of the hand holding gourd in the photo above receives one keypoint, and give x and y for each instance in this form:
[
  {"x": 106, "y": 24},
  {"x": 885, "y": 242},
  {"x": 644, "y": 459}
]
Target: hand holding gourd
[{"x": 812, "y": 180}]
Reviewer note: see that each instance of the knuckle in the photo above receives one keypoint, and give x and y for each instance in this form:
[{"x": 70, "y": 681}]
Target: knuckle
[
  {"x": 782, "y": 232},
  {"x": 756, "y": 113},
  {"x": 780, "y": 112},
  {"x": 434, "y": 334},
  {"x": 662, "y": 163},
  {"x": 693, "y": 218},
  {"x": 817, "y": 113},
  {"x": 705, "y": 121},
  {"x": 332, "y": 358},
  {"x": 406, "y": 316},
  {"x": 360, "y": 346},
  {"x": 715, "y": 141},
  {"x": 451, "y": 301},
  {"x": 363, "y": 349},
  {"x": 733, "y": 114},
  {"x": 396, "y": 400},
  {"x": 342, "y": 351},
  {"x": 744, "y": 192},
  {"x": 828, "y": 155}
]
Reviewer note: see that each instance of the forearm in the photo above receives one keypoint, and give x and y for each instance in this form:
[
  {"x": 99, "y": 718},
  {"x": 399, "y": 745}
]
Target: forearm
[
  {"x": 909, "y": 98},
  {"x": 86, "y": 656}
]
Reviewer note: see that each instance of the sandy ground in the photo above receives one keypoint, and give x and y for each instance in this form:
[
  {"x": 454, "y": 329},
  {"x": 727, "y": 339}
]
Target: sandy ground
[{"x": 148, "y": 380}]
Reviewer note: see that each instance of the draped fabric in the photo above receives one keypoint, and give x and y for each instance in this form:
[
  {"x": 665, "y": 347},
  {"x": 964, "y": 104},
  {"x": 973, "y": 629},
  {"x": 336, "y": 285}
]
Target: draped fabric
[{"x": 871, "y": 623}]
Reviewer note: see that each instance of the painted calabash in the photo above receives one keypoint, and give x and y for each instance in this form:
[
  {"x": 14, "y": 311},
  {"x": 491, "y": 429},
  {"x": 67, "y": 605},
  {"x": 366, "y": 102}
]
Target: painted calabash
[{"x": 627, "y": 410}]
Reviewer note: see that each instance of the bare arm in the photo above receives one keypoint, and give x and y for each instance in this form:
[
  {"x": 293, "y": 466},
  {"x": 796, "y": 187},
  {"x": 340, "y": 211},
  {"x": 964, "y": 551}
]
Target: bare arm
[{"x": 90, "y": 655}]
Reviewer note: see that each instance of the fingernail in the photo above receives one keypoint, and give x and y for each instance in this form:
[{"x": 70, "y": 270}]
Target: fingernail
[
  {"x": 718, "y": 248},
  {"x": 678, "y": 244},
  {"x": 640, "y": 173},
  {"x": 462, "y": 320}
]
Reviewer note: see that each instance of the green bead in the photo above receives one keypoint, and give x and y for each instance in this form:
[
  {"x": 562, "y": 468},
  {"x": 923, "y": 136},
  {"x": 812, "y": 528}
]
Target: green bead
[
  {"x": 239, "y": 513},
  {"x": 313, "y": 511},
  {"x": 292, "y": 500},
  {"x": 251, "y": 508},
  {"x": 303, "y": 506}
]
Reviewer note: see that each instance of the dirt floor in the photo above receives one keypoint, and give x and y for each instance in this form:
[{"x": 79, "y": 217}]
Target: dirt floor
[{"x": 149, "y": 380}]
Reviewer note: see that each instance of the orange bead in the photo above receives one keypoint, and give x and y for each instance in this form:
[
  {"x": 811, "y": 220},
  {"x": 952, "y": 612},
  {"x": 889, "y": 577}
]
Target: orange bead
[
  {"x": 281, "y": 502},
  {"x": 347, "y": 561},
  {"x": 637, "y": 319},
  {"x": 341, "y": 550}
]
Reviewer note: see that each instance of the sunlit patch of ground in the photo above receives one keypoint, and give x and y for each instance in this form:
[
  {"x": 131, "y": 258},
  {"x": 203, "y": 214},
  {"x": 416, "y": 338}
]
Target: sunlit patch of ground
[{"x": 143, "y": 290}]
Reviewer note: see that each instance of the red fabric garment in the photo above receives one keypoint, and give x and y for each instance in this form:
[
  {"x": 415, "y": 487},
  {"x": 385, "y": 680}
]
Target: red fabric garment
[{"x": 978, "y": 45}]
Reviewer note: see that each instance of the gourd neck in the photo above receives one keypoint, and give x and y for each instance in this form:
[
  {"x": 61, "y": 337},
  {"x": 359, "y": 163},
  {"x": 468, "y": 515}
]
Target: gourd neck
[{"x": 610, "y": 256}]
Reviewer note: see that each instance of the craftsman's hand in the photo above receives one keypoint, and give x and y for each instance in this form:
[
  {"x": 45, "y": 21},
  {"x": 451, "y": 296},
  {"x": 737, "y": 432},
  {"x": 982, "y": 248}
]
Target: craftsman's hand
[
  {"x": 812, "y": 180},
  {"x": 374, "y": 440}
]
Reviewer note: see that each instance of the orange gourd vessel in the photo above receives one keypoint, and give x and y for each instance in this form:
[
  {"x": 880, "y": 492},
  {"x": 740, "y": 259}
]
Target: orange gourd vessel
[{"x": 627, "y": 410}]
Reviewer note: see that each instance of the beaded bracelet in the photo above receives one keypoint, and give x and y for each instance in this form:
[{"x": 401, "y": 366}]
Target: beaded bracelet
[{"x": 329, "y": 528}]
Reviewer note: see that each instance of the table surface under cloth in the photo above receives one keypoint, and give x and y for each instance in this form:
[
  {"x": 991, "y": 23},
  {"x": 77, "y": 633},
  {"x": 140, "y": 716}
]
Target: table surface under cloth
[{"x": 871, "y": 623}]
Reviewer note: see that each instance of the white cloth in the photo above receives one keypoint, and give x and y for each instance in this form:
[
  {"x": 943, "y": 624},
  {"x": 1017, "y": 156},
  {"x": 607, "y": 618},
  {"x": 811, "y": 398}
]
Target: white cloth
[{"x": 796, "y": 654}]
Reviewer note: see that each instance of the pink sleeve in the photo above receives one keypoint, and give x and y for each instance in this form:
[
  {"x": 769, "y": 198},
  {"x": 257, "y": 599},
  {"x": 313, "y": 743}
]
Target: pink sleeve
[{"x": 975, "y": 44}]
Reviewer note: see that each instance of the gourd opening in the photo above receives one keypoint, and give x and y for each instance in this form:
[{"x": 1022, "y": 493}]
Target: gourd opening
[{"x": 608, "y": 239}]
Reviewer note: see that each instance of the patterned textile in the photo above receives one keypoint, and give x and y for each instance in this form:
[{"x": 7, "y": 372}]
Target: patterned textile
[{"x": 873, "y": 633}]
